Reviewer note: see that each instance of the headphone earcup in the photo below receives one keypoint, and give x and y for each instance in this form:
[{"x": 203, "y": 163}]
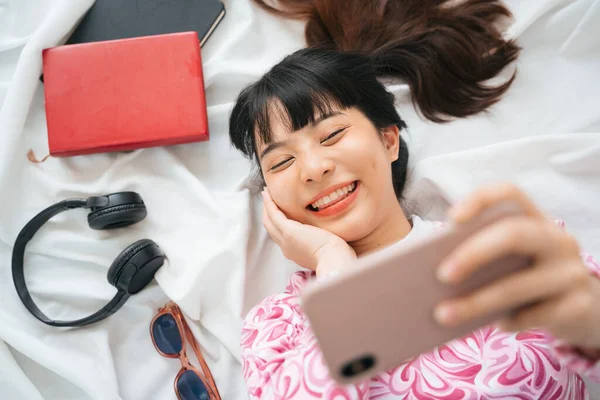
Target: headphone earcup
[
  {"x": 117, "y": 216},
  {"x": 135, "y": 267}
]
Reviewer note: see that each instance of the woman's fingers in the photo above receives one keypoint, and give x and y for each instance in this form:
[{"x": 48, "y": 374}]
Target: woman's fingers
[
  {"x": 281, "y": 226},
  {"x": 513, "y": 235},
  {"x": 513, "y": 292},
  {"x": 277, "y": 217},
  {"x": 560, "y": 315},
  {"x": 273, "y": 231},
  {"x": 481, "y": 199}
]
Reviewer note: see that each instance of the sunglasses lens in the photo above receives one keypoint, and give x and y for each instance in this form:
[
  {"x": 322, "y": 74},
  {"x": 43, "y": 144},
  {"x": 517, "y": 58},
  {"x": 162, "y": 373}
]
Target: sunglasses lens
[
  {"x": 190, "y": 387},
  {"x": 166, "y": 334}
]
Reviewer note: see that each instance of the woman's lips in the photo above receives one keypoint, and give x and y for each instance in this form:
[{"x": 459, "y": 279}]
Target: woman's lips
[
  {"x": 332, "y": 195},
  {"x": 339, "y": 206}
]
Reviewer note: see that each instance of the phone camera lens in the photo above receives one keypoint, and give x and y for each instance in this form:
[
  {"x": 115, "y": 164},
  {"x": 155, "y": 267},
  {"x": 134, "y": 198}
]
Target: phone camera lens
[{"x": 358, "y": 366}]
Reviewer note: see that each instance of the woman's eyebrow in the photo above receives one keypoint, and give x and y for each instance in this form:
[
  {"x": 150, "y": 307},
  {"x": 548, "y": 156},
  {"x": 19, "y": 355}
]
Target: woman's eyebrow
[
  {"x": 272, "y": 146},
  {"x": 275, "y": 145},
  {"x": 325, "y": 116}
]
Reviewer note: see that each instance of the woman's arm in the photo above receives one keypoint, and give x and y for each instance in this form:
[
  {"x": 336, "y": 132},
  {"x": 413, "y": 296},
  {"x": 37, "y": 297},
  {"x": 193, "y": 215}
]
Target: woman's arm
[{"x": 281, "y": 359}]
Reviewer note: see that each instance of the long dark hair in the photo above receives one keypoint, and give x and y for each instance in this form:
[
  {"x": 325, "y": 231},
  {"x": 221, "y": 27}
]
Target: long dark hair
[{"x": 443, "y": 50}]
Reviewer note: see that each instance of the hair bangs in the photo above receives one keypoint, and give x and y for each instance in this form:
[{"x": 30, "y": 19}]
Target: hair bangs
[
  {"x": 295, "y": 98},
  {"x": 293, "y": 109}
]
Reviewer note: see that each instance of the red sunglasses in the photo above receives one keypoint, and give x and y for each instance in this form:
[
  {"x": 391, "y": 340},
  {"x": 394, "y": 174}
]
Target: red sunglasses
[{"x": 170, "y": 334}]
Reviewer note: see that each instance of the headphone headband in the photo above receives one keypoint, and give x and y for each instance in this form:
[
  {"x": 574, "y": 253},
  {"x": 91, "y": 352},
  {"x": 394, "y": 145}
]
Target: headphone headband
[{"x": 110, "y": 211}]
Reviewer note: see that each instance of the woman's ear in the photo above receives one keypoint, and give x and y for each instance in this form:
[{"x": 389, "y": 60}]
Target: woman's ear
[{"x": 391, "y": 141}]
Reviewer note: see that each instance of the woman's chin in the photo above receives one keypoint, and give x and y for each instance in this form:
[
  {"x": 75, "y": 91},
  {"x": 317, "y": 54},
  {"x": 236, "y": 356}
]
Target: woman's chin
[{"x": 350, "y": 229}]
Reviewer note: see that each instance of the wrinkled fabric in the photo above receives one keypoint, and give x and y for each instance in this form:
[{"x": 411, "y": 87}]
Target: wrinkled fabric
[{"x": 204, "y": 208}]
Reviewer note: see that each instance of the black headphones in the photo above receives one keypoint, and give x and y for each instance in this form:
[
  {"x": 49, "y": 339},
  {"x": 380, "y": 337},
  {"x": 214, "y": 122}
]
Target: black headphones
[{"x": 131, "y": 271}]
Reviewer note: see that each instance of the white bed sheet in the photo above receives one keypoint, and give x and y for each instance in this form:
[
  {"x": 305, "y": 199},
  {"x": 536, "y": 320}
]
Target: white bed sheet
[{"x": 202, "y": 205}]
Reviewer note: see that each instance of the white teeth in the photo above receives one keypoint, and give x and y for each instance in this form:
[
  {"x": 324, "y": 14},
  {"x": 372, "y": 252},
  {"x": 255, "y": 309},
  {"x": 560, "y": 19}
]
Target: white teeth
[{"x": 341, "y": 192}]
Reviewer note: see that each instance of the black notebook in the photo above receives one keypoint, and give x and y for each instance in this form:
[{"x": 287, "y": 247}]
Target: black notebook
[{"x": 120, "y": 19}]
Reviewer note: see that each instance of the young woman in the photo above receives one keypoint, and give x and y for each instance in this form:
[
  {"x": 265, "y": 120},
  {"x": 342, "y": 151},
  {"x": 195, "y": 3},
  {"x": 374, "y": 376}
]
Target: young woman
[{"x": 327, "y": 140}]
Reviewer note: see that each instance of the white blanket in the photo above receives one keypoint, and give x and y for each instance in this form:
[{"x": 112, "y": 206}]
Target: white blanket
[{"x": 203, "y": 208}]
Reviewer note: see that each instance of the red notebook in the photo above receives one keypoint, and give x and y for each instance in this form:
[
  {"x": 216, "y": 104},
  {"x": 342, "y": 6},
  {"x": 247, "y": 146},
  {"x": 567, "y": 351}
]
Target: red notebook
[{"x": 124, "y": 94}]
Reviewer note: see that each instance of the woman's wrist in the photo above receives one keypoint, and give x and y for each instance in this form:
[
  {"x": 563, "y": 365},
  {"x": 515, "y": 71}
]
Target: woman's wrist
[
  {"x": 327, "y": 270},
  {"x": 333, "y": 263},
  {"x": 591, "y": 348},
  {"x": 592, "y": 354}
]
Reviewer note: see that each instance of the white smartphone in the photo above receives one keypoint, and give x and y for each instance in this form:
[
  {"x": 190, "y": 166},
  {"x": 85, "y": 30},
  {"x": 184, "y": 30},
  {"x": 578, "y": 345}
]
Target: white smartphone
[{"x": 379, "y": 313}]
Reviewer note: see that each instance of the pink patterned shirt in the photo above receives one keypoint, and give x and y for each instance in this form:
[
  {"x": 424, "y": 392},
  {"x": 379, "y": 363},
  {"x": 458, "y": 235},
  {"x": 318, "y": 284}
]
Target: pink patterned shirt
[{"x": 281, "y": 360}]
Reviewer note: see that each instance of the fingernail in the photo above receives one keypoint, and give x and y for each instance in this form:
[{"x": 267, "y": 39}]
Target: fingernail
[
  {"x": 455, "y": 214},
  {"x": 445, "y": 272},
  {"x": 445, "y": 314},
  {"x": 458, "y": 213}
]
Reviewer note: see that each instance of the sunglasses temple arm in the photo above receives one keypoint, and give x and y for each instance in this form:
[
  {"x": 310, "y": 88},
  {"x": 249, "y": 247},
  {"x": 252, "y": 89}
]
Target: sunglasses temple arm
[{"x": 203, "y": 365}]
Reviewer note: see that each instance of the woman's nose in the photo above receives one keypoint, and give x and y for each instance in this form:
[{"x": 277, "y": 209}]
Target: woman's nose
[{"x": 314, "y": 168}]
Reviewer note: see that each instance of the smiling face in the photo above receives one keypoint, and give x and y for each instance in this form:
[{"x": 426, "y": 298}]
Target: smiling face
[{"x": 334, "y": 173}]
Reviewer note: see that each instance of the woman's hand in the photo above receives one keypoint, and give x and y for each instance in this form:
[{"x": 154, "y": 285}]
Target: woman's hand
[
  {"x": 565, "y": 296},
  {"x": 308, "y": 246}
]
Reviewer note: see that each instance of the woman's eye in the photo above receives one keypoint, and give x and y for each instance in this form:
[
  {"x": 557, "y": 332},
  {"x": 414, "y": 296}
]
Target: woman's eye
[
  {"x": 280, "y": 164},
  {"x": 330, "y": 137}
]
